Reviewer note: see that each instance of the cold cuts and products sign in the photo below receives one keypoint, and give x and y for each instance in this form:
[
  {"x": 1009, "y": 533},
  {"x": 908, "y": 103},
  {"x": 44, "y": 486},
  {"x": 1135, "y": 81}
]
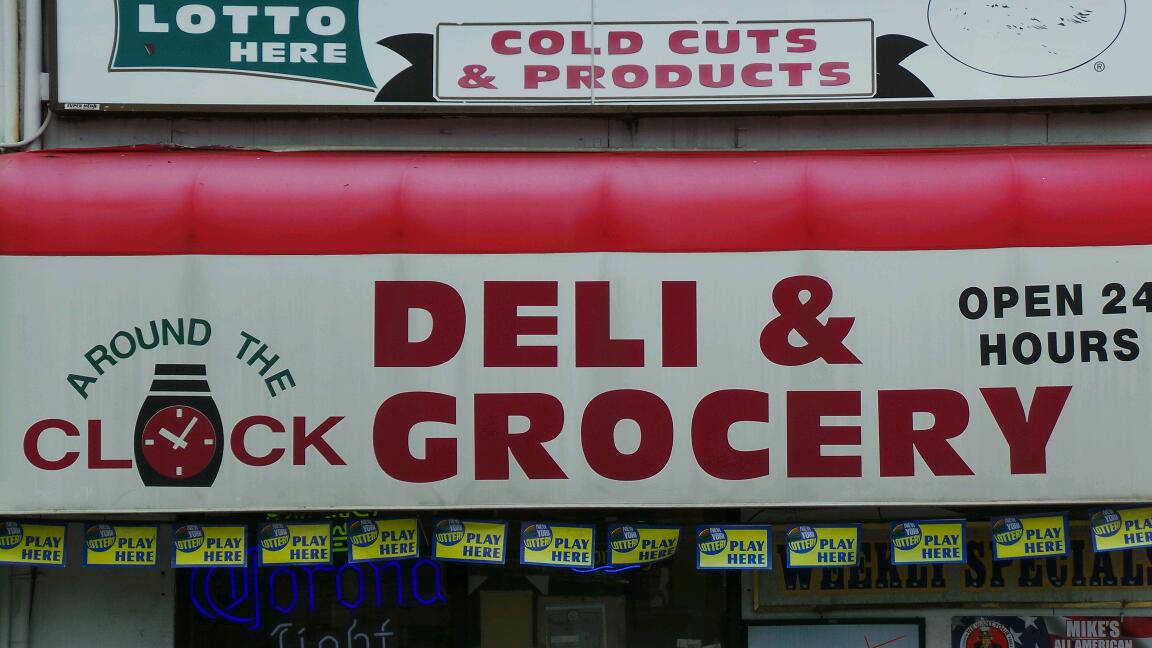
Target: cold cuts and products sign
[
  {"x": 372, "y": 54},
  {"x": 396, "y": 382},
  {"x": 1051, "y": 632}
]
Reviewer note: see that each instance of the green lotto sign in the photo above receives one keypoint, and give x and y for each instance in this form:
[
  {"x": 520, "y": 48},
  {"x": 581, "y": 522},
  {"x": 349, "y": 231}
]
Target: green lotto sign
[{"x": 317, "y": 40}]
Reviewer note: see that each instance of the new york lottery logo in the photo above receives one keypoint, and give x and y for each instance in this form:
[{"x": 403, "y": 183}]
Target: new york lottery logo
[
  {"x": 906, "y": 535},
  {"x": 801, "y": 539},
  {"x": 1007, "y": 531},
  {"x": 100, "y": 537},
  {"x": 624, "y": 539},
  {"x": 1105, "y": 523},
  {"x": 449, "y": 532},
  {"x": 274, "y": 537},
  {"x": 11, "y": 533},
  {"x": 189, "y": 538},
  {"x": 712, "y": 540},
  {"x": 536, "y": 537},
  {"x": 363, "y": 533}
]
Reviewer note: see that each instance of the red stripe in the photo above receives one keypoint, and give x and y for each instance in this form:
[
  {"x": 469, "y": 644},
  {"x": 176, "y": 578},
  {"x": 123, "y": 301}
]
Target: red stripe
[{"x": 224, "y": 202}]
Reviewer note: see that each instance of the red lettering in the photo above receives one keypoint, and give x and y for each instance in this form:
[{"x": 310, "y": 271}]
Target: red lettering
[
  {"x": 534, "y": 75},
  {"x": 32, "y": 444},
  {"x": 500, "y": 42},
  {"x": 835, "y": 73},
  {"x": 678, "y": 41},
  {"x": 546, "y": 41},
  {"x": 899, "y": 438},
  {"x": 495, "y": 440},
  {"x": 394, "y": 302},
  {"x": 711, "y": 423},
  {"x": 630, "y": 76},
  {"x": 624, "y": 42},
  {"x": 678, "y": 323},
  {"x": 1027, "y": 435},
  {"x": 801, "y": 40},
  {"x": 708, "y": 75},
  {"x": 807, "y": 434},
  {"x": 673, "y": 76},
  {"x": 393, "y": 426},
  {"x": 580, "y": 44},
  {"x": 763, "y": 39},
  {"x": 712, "y": 41},
  {"x": 598, "y": 434},
  {"x": 240, "y": 433},
  {"x": 583, "y": 76},
  {"x": 503, "y": 324},
  {"x": 795, "y": 72},
  {"x": 594, "y": 344},
  {"x": 302, "y": 439},
  {"x": 96, "y": 461},
  {"x": 750, "y": 74}
]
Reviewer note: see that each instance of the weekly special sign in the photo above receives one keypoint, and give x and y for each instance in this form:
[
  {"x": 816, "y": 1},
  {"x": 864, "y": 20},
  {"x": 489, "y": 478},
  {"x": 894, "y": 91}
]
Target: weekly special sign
[{"x": 373, "y": 54}]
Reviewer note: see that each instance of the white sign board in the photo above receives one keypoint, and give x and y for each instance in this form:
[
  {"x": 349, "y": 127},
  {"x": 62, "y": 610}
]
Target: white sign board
[
  {"x": 361, "y": 55},
  {"x": 575, "y": 380}
]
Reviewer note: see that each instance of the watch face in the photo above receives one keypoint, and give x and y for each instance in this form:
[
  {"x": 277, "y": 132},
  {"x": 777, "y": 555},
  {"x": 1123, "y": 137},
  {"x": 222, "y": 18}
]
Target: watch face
[{"x": 179, "y": 442}]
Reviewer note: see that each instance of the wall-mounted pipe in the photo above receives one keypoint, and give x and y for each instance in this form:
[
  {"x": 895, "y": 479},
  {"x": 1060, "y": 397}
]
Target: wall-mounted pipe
[
  {"x": 9, "y": 71},
  {"x": 21, "y": 607},
  {"x": 30, "y": 117}
]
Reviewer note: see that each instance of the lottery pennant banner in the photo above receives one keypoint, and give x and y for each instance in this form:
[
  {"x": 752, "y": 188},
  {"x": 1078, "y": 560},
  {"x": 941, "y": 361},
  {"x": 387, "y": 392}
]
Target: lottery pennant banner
[
  {"x": 117, "y": 545},
  {"x": 635, "y": 544},
  {"x": 209, "y": 545},
  {"x": 734, "y": 547},
  {"x": 823, "y": 545},
  {"x": 32, "y": 544},
  {"x": 557, "y": 545},
  {"x": 1116, "y": 529},
  {"x": 383, "y": 539},
  {"x": 1032, "y": 536},
  {"x": 469, "y": 541},
  {"x": 928, "y": 542},
  {"x": 286, "y": 543}
]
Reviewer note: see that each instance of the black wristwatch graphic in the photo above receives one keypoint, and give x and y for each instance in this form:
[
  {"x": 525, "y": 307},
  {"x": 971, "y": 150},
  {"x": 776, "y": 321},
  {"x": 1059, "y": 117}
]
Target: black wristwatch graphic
[{"x": 178, "y": 432}]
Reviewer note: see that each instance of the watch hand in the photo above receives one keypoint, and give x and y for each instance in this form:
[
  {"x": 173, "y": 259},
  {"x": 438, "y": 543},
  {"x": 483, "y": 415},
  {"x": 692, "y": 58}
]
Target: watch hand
[
  {"x": 188, "y": 429},
  {"x": 177, "y": 442}
]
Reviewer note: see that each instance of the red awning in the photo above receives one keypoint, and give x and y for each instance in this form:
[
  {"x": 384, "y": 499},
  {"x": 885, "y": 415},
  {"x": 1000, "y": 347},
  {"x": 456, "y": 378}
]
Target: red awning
[{"x": 155, "y": 201}]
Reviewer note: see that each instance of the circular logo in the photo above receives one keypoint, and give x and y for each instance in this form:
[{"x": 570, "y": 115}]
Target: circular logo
[
  {"x": 100, "y": 537},
  {"x": 363, "y": 533},
  {"x": 536, "y": 537},
  {"x": 906, "y": 535},
  {"x": 986, "y": 633},
  {"x": 623, "y": 539},
  {"x": 1007, "y": 531},
  {"x": 449, "y": 532},
  {"x": 1025, "y": 38},
  {"x": 801, "y": 539},
  {"x": 189, "y": 538},
  {"x": 712, "y": 540},
  {"x": 11, "y": 534},
  {"x": 275, "y": 536},
  {"x": 1105, "y": 523}
]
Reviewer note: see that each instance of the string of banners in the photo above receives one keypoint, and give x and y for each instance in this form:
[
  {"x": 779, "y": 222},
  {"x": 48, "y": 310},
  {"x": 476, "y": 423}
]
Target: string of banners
[{"x": 545, "y": 544}]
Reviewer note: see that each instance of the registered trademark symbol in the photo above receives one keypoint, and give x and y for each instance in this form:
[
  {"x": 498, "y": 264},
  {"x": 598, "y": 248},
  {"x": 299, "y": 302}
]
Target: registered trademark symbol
[{"x": 1099, "y": 66}]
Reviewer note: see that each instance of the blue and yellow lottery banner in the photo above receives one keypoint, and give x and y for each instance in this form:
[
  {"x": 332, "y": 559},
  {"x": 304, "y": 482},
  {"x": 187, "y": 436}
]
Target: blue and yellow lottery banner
[
  {"x": 557, "y": 545},
  {"x": 469, "y": 541},
  {"x": 209, "y": 545},
  {"x": 383, "y": 539},
  {"x": 823, "y": 545},
  {"x": 1029, "y": 536},
  {"x": 108, "y": 544},
  {"x": 639, "y": 544},
  {"x": 1116, "y": 529},
  {"x": 290, "y": 543},
  {"x": 922, "y": 542},
  {"x": 32, "y": 543},
  {"x": 733, "y": 547}
]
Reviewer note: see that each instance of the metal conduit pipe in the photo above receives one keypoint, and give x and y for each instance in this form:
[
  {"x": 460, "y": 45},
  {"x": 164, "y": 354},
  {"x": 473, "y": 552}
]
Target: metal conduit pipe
[
  {"x": 9, "y": 71},
  {"x": 5, "y": 604},
  {"x": 20, "y": 618},
  {"x": 33, "y": 37}
]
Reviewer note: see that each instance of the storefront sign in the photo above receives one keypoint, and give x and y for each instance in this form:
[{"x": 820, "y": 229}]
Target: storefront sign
[
  {"x": 1030, "y": 536},
  {"x": 350, "y": 54},
  {"x": 23, "y": 543},
  {"x": 554, "y": 545},
  {"x": 1051, "y": 632},
  {"x": 469, "y": 541},
  {"x": 208, "y": 545},
  {"x": 383, "y": 539},
  {"x": 823, "y": 545},
  {"x": 733, "y": 547},
  {"x": 1125, "y": 528},
  {"x": 639, "y": 544},
  {"x": 921, "y": 542},
  {"x": 1083, "y": 577},
  {"x": 119, "y": 545},
  {"x": 295, "y": 543}
]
